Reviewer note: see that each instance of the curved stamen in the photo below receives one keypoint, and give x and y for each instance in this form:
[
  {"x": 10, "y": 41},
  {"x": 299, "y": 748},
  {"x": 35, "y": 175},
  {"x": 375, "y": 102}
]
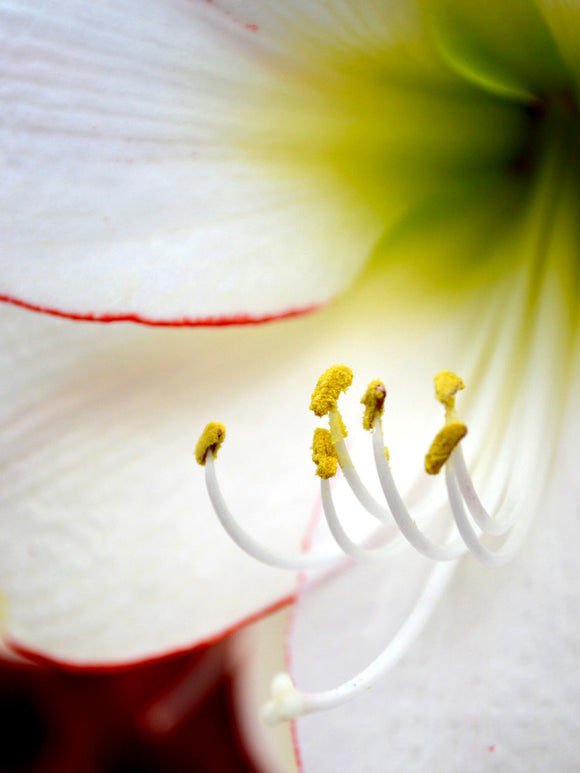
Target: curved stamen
[
  {"x": 324, "y": 402},
  {"x": 357, "y": 487},
  {"x": 515, "y": 483},
  {"x": 537, "y": 440},
  {"x": 352, "y": 549},
  {"x": 406, "y": 524},
  {"x": 297, "y": 561},
  {"x": 480, "y": 515},
  {"x": 499, "y": 557},
  {"x": 287, "y": 702}
]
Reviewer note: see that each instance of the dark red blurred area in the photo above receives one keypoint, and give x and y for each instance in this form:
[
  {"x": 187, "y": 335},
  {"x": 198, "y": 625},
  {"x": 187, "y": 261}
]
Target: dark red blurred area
[{"x": 54, "y": 721}]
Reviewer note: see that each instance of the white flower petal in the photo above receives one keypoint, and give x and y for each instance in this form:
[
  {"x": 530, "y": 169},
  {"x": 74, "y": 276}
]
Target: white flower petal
[
  {"x": 334, "y": 20},
  {"x": 256, "y": 653},
  {"x": 127, "y": 188},
  {"x": 110, "y": 550}
]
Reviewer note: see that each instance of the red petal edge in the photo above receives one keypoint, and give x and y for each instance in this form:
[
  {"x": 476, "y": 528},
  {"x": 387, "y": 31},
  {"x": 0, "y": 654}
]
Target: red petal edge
[
  {"x": 235, "y": 319},
  {"x": 96, "y": 668},
  {"x": 285, "y": 601}
]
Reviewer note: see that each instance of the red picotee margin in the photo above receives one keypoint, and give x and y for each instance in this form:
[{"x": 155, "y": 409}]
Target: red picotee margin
[
  {"x": 235, "y": 319},
  {"x": 107, "y": 668}
]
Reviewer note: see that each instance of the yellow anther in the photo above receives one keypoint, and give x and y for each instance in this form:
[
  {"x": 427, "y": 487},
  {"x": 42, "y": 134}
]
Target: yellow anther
[
  {"x": 374, "y": 402},
  {"x": 443, "y": 445},
  {"x": 323, "y": 454},
  {"x": 210, "y": 440},
  {"x": 327, "y": 391},
  {"x": 447, "y": 384}
]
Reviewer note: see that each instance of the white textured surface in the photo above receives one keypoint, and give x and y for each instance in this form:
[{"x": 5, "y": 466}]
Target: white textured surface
[
  {"x": 110, "y": 550},
  {"x": 131, "y": 184}
]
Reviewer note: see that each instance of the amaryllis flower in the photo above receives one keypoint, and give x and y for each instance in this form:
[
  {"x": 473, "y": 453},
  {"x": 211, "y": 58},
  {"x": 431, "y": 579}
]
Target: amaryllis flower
[{"x": 189, "y": 163}]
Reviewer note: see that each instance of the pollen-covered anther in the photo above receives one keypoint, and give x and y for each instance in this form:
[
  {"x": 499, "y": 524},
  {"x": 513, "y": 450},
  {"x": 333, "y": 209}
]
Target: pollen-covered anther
[
  {"x": 443, "y": 445},
  {"x": 447, "y": 384},
  {"x": 374, "y": 403},
  {"x": 210, "y": 439},
  {"x": 333, "y": 381},
  {"x": 323, "y": 454}
]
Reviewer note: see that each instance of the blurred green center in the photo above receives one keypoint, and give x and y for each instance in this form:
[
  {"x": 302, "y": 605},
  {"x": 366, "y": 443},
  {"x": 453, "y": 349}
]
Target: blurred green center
[{"x": 448, "y": 130}]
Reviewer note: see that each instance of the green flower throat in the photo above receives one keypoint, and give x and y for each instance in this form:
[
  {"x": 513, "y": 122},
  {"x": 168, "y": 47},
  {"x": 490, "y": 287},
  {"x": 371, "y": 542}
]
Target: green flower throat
[{"x": 456, "y": 129}]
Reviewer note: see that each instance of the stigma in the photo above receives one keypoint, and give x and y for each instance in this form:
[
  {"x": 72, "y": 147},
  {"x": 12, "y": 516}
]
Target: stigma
[{"x": 470, "y": 523}]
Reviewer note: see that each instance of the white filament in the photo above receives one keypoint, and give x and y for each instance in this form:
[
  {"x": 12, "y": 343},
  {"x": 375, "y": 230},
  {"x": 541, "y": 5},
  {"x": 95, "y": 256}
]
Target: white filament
[
  {"x": 423, "y": 544},
  {"x": 358, "y": 488},
  {"x": 352, "y": 549},
  {"x": 287, "y": 702},
  {"x": 296, "y": 561}
]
